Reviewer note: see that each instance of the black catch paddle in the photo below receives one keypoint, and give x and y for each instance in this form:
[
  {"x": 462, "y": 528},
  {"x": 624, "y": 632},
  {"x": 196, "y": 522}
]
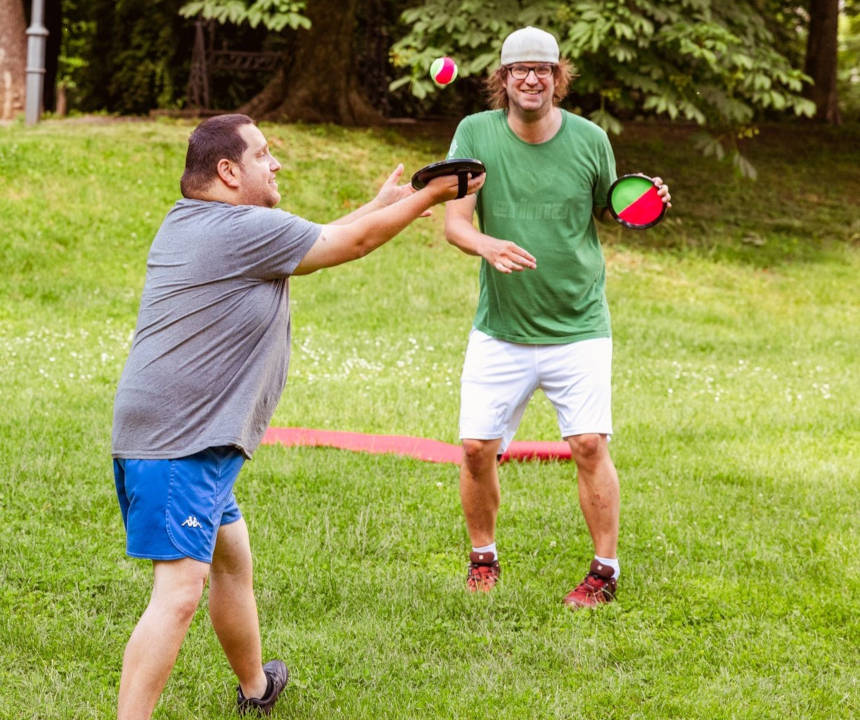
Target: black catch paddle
[{"x": 461, "y": 167}]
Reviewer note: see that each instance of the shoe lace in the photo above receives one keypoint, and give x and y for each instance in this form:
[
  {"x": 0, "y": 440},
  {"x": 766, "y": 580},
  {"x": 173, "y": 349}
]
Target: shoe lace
[
  {"x": 480, "y": 571},
  {"x": 591, "y": 584},
  {"x": 481, "y": 574}
]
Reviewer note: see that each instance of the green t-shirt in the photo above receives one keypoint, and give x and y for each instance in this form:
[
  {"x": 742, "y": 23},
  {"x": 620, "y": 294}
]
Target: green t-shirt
[{"x": 542, "y": 196}]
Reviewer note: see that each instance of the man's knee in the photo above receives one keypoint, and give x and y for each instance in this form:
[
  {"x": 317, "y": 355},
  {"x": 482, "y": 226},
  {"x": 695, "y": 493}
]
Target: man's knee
[
  {"x": 480, "y": 454},
  {"x": 186, "y": 605},
  {"x": 179, "y": 593},
  {"x": 587, "y": 450},
  {"x": 232, "y": 554}
]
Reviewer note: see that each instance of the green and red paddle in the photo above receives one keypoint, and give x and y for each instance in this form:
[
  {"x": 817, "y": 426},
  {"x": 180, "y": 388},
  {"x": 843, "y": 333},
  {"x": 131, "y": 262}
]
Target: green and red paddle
[{"x": 633, "y": 201}]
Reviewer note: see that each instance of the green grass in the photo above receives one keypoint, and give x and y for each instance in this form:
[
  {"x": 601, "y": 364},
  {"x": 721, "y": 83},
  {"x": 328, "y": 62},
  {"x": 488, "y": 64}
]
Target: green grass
[{"x": 737, "y": 436}]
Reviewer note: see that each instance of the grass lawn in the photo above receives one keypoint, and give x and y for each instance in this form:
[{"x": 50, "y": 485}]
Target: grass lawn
[{"x": 737, "y": 443}]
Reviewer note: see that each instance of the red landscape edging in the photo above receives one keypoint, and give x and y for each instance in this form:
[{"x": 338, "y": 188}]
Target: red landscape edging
[{"x": 420, "y": 448}]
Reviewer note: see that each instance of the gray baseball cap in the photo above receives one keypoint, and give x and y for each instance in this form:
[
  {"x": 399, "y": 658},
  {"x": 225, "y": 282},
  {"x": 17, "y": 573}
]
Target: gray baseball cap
[{"x": 529, "y": 44}]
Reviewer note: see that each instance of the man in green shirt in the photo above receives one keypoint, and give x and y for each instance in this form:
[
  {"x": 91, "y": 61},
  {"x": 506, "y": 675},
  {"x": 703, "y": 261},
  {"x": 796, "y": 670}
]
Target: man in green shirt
[{"x": 542, "y": 319}]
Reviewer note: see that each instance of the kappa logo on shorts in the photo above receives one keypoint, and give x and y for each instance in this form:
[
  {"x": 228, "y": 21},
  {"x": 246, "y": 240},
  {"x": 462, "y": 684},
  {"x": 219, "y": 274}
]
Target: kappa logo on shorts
[{"x": 192, "y": 522}]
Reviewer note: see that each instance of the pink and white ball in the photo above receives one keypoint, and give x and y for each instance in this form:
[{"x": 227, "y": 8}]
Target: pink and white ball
[{"x": 443, "y": 71}]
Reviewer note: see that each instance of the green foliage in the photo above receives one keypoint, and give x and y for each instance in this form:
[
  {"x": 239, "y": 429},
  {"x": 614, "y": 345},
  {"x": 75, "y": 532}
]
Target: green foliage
[
  {"x": 127, "y": 56},
  {"x": 468, "y": 31},
  {"x": 709, "y": 63},
  {"x": 143, "y": 74},
  {"x": 134, "y": 55},
  {"x": 736, "y": 420},
  {"x": 274, "y": 15},
  {"x": 714, "y": 145},
  {"x": 77, "y": 33},
  {"x": 715, "y": 64}
]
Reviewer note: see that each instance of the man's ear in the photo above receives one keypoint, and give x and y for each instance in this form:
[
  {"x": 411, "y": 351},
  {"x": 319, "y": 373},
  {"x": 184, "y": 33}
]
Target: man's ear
[{"x": 228, "y": 171}]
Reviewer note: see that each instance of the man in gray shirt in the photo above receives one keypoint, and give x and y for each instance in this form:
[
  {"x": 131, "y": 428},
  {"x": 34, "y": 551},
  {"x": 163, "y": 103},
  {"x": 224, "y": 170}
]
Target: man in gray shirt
[{"x": 206, "y": 369}]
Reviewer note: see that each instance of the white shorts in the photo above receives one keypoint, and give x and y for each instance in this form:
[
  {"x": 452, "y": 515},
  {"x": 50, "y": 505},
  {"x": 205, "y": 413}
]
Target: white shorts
[{"x": 499, "y": 378}]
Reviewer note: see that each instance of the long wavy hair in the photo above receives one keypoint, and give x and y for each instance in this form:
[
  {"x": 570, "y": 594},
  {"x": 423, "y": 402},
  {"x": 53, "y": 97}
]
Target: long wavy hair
[{"x": 497, "y": 93}]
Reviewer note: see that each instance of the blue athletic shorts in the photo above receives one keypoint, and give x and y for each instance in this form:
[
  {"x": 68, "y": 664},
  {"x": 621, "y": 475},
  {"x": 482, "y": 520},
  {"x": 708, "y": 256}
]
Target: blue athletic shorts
[{"x": 172, "y": 509}]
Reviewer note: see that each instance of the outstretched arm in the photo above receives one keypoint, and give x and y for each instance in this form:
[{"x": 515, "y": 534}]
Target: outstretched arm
[
  {"x": 389, "y": 193},
  {"x": 503, "y": 255},
  {"x": 340, "y": 243}
]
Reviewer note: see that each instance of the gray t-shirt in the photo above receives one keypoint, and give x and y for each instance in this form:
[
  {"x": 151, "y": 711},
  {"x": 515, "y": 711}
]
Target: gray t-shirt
[{"x": 210, "y": 352}]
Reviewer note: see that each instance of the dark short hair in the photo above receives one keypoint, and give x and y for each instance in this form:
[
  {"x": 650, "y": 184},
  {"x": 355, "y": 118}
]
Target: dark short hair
[
  {"x": 495, "y": 84},
  {"x": 212, "y": 140}
]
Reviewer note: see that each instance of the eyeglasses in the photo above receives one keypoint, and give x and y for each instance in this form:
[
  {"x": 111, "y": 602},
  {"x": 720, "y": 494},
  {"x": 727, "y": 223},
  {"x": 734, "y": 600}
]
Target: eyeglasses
[{"x": 521, "y": 72}]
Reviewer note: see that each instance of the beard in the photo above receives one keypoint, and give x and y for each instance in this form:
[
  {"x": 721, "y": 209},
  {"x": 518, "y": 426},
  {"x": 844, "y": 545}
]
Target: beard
[{"x": 263, "y": 197}]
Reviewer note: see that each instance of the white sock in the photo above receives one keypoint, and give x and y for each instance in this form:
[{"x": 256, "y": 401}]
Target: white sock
[
  {"x": 611, "y": 562},
  {"x": 491, "y": 548}
]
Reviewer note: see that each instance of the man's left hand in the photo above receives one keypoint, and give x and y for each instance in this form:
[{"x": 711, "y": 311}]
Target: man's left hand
[
  {"x": 391, "y": 192},
  {"x": 663, "y": 191}
]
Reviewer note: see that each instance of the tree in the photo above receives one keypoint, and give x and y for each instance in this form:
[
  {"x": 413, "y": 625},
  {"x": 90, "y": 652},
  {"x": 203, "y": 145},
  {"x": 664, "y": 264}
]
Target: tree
[
  {"x": 318, "y": 79},
  {"x": 13, "y": 59},
  {"x": 821, "y": 54},
  {"x": 125, "y": 56},
  {"x": 714, "y": 63}
]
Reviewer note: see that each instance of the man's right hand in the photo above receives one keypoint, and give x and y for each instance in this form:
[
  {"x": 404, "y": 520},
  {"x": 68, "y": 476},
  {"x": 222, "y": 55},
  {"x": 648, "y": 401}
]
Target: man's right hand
[
  {"x": 365, "y": 230},
  {"x": 446, "y": 187},
  {"x": 505, "y": 256}
]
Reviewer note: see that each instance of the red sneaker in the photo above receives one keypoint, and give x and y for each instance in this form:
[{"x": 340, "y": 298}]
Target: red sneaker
[
  {"x": 597, "y": 588},
  {"x": 483, "y": 572}
]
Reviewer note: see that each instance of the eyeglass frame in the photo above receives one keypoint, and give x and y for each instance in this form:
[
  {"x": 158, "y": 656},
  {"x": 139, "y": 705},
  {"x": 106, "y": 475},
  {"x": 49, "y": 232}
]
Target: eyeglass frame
[{"x": 552, "y": 68}]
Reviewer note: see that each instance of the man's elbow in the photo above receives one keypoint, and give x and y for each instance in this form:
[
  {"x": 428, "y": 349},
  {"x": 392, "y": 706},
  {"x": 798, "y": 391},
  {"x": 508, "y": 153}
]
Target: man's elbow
[
  {"x": 336, "y": 245},
  {"x": 452, "y": 234},
  {"x": 361, "y": 248}
]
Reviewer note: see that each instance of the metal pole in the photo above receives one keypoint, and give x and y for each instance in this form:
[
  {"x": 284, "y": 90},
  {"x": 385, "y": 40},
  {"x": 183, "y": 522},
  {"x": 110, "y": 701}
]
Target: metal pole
[{"x": 36, "y": 34}]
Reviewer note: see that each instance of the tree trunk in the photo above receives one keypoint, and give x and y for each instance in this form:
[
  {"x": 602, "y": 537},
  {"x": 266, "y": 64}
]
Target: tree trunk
[
  {"x": 820, "y": 62},
  {"x": 13, "y": 59},
  {"x": 319, "y": 81}
]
